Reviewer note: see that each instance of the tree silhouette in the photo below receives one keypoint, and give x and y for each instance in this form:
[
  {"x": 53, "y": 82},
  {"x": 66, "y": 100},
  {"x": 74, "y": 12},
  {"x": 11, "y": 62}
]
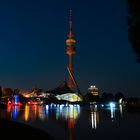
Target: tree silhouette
[
  {"x": 119, "y": 95},
  {"x": 107, "y": 97},
  {"x": 133, "y": 20}
]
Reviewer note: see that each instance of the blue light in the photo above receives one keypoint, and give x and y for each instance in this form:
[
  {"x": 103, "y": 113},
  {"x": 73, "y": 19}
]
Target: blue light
[
  {"x": 78, "y": 106},
  {"x": 61, "y": 107},
  {"x": 78, "y": 109},
  {"x": 112, "y": 105},
  {"x": 112, "y": 110},
  {"x": 51, "y": 105},
  {"x": 47, "y": 107},
  {"x": 71, "y": 106},
  {"x": 47, "y": 111},
  {"x": 15, "y": 113},
  {"x": 16, "y": 99}
]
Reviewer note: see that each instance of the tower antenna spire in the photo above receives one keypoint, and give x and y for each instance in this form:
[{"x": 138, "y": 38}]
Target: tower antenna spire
[
  {"x": 70, "y": 33},
  {"x": 70, "y": 20}
]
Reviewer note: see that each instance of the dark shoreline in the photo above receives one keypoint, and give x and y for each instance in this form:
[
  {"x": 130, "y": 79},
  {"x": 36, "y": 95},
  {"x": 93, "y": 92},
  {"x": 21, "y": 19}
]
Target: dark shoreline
[{"x": 16, "y": 130}]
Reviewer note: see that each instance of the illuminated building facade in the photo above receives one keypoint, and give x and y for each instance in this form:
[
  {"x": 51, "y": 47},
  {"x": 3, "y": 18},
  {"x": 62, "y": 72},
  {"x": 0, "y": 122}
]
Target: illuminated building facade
[
  {"x": 93, "y": 90},
  {"x": 63, "y": 92},
  {"x": 70, "y": 51}
]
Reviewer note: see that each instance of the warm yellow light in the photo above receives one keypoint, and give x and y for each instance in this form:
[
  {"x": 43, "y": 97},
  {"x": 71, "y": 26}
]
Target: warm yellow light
[
  {"x": 26, "y": 114},
  {"x": 27, "y": 96}
]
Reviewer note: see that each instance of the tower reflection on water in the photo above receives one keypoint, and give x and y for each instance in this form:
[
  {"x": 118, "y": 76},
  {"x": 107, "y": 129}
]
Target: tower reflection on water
[{"x": 68, "y": 114}]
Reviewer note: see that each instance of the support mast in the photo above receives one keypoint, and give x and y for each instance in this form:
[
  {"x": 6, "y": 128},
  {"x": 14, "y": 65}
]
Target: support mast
[{"x": 70, "y": 51}]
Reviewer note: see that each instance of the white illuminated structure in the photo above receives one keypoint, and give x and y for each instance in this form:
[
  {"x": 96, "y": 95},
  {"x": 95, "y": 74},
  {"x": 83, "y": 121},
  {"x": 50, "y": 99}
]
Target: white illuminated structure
[
  {"x": 72, "y": 97},
  {"x": 63, "y": 92}
]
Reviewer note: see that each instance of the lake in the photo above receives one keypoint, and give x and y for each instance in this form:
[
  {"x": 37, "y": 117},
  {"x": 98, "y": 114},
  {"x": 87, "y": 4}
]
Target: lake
[{"x": 75, "y": 122}]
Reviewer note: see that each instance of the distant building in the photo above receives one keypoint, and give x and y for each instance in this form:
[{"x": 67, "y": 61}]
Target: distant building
[
  {"x": 28, "y": 94},
  {"x": 93, "y": 90}
]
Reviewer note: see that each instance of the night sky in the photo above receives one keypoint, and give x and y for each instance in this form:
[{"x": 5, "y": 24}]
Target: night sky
[{"x": 32, "y": 43}]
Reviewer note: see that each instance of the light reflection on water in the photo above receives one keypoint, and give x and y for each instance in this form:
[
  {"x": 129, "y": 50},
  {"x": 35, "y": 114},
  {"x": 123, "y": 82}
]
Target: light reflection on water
[
  {"x": 69, "y": 117},
  {"x": 94, "y": 116}
]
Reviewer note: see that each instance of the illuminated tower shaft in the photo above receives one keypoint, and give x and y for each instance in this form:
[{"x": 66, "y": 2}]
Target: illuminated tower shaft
[{"x": 70, "y": 51}]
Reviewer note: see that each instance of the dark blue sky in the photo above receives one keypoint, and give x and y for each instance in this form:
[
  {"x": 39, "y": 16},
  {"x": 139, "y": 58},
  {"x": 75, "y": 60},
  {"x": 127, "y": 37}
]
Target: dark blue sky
[{"x": 32, "y": 42}]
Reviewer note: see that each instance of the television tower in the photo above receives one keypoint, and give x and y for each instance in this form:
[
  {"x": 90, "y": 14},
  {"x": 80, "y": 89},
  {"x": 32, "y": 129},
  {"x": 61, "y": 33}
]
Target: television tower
[{"x": 70, "y": 51}]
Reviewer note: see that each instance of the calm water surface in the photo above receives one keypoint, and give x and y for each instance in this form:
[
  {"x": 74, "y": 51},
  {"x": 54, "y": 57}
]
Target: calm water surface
[{"x": 78, "y": 123}]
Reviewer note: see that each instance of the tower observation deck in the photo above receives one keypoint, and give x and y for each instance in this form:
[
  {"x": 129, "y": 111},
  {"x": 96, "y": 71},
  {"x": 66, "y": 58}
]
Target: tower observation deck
[{"x": 70, "y": 51}]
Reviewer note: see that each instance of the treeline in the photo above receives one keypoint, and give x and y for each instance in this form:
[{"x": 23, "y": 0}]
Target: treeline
[{"x": 105, "y": 97}]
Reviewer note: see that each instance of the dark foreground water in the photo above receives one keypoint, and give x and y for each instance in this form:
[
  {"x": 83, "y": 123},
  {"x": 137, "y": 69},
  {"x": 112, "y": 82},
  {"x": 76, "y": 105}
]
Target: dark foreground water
[{"x": 73, "y": 122}]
